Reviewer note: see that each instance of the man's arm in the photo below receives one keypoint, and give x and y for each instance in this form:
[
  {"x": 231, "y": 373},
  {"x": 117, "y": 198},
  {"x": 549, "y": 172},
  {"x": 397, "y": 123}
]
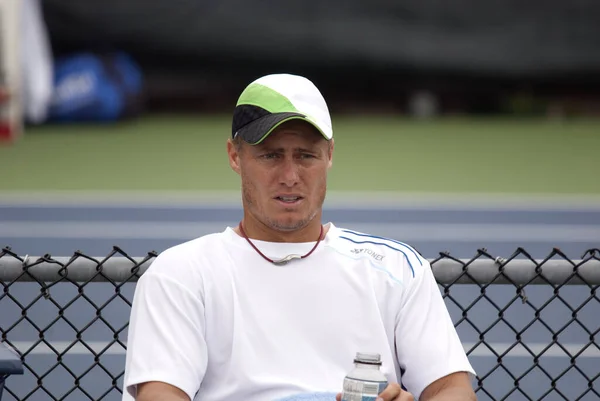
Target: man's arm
[
  {"x": 454, "y": 387},
  {"x": 159, "y": 391},
  {"x": 166, "y": 341},
  {"x": 429, "y": 351}
]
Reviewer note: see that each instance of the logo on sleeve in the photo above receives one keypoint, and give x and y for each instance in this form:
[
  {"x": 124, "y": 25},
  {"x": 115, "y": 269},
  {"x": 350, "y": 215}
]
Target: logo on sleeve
[{"x": 374, "y": 255}]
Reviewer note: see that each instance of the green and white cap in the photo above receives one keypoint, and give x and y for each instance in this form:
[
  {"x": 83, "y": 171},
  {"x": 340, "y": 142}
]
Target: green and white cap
[{"x": 274, "y": 99}]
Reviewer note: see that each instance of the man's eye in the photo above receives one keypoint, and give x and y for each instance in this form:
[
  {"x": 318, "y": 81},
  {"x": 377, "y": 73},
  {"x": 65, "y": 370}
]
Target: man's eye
[
  {"x": 269, "y": 156},
  {"x": 307, "y": 156}
]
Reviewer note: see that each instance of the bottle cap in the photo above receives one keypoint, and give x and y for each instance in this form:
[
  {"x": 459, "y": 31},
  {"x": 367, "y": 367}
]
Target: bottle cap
[{"x": 370, "y": 359}]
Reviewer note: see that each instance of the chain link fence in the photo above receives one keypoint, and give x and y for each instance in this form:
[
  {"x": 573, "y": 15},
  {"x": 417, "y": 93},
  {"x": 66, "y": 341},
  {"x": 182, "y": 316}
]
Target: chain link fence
[{"x": 530, "y": 326}]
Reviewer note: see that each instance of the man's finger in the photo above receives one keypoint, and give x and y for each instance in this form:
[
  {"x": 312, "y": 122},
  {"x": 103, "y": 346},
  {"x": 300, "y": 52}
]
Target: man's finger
[
  {"x": 391, "y": 392},
  {"x": 406, "y": 396},
  {"x": 394, "y": 392}
]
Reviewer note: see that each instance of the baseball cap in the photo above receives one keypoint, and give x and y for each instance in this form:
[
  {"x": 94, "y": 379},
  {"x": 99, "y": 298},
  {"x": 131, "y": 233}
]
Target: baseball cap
[{"x": 274, "y": 99}]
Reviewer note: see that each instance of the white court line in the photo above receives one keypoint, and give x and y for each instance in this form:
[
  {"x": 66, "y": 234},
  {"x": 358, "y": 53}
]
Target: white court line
[
  {"x": 337, "y": 199},
  {"x": 406, "y": 232},
  {"x": 480, "y": 351}
]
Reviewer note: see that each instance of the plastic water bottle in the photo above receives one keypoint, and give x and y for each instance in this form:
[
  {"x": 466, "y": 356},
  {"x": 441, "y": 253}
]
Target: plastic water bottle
[{"x": 365, "y": 381}]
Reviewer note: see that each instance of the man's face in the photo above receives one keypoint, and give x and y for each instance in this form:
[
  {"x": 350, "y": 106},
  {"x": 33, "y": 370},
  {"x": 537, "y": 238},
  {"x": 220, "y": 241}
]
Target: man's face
[{"x": 284, "y": 178}]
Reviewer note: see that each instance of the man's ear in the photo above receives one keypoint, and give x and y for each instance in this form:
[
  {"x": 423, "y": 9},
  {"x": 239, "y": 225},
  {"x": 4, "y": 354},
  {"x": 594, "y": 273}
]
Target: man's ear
[
  {"x": 234, "y": 156},
  {"x": 330, "y": 153}
]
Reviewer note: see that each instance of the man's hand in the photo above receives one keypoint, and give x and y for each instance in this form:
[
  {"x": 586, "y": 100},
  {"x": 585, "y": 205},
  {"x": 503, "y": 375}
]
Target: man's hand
[
  {"x": 158, "y": 391},
  {"x": 393, "y": 392}
]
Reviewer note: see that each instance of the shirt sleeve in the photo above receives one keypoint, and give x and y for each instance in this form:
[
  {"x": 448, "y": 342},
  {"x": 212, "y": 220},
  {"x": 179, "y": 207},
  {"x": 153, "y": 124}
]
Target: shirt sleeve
[
  {"x": 427, "y": 344},
  {"x": 166, "y": 340}
]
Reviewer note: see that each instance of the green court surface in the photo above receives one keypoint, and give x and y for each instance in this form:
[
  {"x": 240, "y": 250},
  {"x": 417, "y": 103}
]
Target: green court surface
[{"x": 455, "y": 155}]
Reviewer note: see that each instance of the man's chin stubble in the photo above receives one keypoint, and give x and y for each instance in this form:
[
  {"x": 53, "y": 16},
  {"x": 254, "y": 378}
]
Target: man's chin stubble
[{"x": 293, "y": 226}]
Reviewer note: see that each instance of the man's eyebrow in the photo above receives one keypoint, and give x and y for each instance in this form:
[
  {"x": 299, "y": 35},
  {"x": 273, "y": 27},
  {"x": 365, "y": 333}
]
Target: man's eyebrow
[
  {"x": 281, "y": 150},
  {"x": 265, "y": 148},
  {"x": 304, "y": 150}
]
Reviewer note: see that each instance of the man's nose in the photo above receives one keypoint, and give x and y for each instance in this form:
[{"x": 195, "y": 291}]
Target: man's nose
[{"x": 289, "y": 172}]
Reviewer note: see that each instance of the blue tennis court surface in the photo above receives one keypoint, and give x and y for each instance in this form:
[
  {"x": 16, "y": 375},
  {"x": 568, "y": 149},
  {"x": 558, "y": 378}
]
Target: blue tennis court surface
[{"x": 93, "y": 229}]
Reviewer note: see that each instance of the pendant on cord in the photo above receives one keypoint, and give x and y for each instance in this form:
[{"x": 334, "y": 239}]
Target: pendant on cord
[
  {"x": 288, "y": 258},
  {"x": 284, "y": 261}
]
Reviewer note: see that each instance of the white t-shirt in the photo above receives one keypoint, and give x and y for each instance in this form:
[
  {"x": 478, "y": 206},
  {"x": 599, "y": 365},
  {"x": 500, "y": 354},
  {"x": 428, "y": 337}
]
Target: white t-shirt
[{"x": 215, "y": 319}]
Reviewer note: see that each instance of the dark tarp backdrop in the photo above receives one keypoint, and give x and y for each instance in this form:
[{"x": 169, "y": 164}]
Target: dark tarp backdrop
[{"x": 416, "y": 42}]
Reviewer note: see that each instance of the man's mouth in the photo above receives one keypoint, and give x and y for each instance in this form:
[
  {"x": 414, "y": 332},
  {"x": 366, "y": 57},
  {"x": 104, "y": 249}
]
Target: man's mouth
[{"x": 288, "y": 199}]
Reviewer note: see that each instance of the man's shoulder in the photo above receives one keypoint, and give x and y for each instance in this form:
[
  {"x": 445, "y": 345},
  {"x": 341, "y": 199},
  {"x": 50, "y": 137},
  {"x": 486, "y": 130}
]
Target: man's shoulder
[
  {"x": 190, "y": 254},
  {"x": 379, "y": 248},
  {"x": 197, "y": 244}
]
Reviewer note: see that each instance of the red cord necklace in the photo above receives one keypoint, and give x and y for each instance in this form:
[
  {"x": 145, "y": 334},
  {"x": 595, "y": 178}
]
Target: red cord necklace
[{"x": 286, "y": 259}]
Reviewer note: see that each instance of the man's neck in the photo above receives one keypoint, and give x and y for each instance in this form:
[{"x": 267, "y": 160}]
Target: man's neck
[{"x": 258, "y": 231}]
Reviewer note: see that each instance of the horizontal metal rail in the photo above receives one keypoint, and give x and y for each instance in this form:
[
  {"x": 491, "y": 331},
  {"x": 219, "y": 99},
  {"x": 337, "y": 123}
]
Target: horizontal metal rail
[{"x": 446, "y": 270}]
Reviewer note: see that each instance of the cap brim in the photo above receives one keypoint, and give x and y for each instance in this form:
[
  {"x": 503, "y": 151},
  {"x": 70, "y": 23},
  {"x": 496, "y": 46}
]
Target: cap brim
[{"x": 255, "y": 132}]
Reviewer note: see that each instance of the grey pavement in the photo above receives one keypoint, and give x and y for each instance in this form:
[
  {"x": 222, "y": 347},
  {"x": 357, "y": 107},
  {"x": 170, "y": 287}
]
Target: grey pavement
[{"x": 60, "y": 230}]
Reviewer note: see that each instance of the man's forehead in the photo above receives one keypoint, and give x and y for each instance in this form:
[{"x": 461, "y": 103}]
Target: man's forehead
[
  {"x": 295, "y": 129},
  {"x": 298, "y": 127}
]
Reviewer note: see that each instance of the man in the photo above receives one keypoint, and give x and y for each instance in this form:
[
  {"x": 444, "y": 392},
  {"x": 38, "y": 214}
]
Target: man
[{"x": 279, "y": 305}]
